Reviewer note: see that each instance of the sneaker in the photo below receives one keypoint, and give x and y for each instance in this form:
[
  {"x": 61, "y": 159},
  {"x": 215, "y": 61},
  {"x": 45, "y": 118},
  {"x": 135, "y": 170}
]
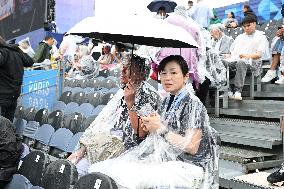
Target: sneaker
[
  {"x": 277, "y": 176},
  {"x": 280, "y": 81},
  {"x": 230, "y": 95},
  {"x": 270, "y": 74},
  {"x": 237, "y": 96}
]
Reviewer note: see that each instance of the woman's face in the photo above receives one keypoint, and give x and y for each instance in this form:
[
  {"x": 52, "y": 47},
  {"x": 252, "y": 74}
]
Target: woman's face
[
  {"x": 172, "y": 78},
  {"x": 125, "y": 73},
  {"x": 229, "y": 15}
]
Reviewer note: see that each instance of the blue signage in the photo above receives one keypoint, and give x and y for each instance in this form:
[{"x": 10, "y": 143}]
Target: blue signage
[{"x": 40, "y": 88}]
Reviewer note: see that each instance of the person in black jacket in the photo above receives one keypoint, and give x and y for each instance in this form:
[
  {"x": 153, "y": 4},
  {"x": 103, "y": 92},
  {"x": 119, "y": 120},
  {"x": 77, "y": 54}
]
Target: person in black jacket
[
  {"x": 247, "y": 11},
  {"x": 43, "y": 50},
  {"x": 12, "y": 63}
]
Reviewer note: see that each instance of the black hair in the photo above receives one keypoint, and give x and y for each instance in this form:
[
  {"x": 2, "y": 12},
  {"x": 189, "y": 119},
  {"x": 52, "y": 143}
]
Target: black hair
[
  {"x": 48, "y": 37},
  {"x": 249, "y": 18},
  {"x": 2, "y": 41},
  {"x": 191, "y": 2},
  {"x": 247, "y": 7},
  {"x": 233, "y": 14},
  {"x": 162, "y": 8},
  {"x": 140, "y": 63},
  {"x": 176, "y": 58}
]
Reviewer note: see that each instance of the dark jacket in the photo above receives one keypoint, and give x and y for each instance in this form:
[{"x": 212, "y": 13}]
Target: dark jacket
[
  {"x": 42, "y": 52},
  {"x": 12, "y": 63}
]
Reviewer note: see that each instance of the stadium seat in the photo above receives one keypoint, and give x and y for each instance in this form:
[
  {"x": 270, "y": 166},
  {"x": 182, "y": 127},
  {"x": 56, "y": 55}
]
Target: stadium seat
[
  {"x": 87, "y": 122},
  {"x": 41, "y": 116},
  {"x": 73, "y": 122},
  {"x": 20, "y": 125},
  {"x": 86, "y": 109},
  {"x": 110, "y": 82},
  {"x": 43, "y": 136},
  {"x": 74, "y": 142},
  {"x": 79, "y": 98},
  {"x": 71, "y": 108},
  {"x": 95, "y": 180},
  {"x": 59, "y": 105},
  {"x": 19, "y": 182},
  {"x": 83, "y": 83},
  {"x": 98, "y": 109},
  {"x": 59, "y": 141},
  {"x": 59, "y": 174},
  {"x": 30, "y": 114},
  {"x": 33, "y": 166},
  {"x": 66, "y": 97},
  {"x": 94, "y": 98},
  {"x": 104, "y": 73},
  {"x": 88, "y": 90},
  {"x": 55, "y": 119},
  {"x": 76, "y": 90},
  {"x": 29, "y": 133},
  {"x": 20, "y": 112},
  {"x": 107, "y": 96},
  {"x": 67, "y": 89}
]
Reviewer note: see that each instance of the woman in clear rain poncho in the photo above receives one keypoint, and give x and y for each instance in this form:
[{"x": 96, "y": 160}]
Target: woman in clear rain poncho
[
  {"x": 181, "y": 150},
  {"x": 116, "y": 128}
]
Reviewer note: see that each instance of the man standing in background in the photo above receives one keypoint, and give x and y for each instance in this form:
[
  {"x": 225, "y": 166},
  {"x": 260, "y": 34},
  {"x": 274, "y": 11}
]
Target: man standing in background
[
  {"x": 201, "y": 13},
  {"x": 12, "y": 63}
]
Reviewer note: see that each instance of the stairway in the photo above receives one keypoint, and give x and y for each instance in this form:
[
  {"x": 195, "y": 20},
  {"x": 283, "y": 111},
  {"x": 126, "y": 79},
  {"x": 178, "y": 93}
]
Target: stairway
[{"x": 251, "y": 138}]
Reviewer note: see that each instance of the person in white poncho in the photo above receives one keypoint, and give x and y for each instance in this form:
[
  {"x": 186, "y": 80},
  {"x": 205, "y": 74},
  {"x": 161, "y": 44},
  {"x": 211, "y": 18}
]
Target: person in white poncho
[{"x": 181, "y": 149}]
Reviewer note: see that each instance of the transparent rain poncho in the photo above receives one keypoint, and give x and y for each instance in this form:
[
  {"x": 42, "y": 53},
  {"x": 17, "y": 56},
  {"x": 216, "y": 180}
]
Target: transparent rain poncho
[
  {"x": 165, "y": 162},
  {"x": 106, "y": 136}
]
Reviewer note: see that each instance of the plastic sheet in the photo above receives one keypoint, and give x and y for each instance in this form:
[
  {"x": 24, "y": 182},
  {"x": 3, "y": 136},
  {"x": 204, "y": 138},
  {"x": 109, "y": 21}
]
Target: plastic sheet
[{"x": 186, "y": 157}]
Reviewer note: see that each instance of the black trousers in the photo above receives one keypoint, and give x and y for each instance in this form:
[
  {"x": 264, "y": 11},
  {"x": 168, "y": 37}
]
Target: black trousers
[
  {"x": 7, "y": 110},
  {"x": 202, "y": 91},
  {"x": 3, "y": 184}
]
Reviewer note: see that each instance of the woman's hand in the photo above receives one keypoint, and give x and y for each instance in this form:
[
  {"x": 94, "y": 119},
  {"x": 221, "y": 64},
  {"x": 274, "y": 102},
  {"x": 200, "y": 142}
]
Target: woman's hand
[
  {"x": 77, "y": 156},
  {"x": 152, "y": 123}
]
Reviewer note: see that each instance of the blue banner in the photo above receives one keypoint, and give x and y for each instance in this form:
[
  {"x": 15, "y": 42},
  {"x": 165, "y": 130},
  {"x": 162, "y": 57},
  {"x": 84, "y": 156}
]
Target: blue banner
[{"x": 40, "y": 88}]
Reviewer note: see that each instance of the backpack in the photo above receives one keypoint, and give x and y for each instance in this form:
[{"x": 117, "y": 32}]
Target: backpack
[
  {"x": 33, "y": 166},
  {"x": 10, "y": 149},
  {"x": 59, "y": 174}
]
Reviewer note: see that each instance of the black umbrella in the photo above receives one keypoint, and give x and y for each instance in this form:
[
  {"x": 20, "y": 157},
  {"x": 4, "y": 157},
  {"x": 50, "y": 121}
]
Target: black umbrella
[{"x": 155, "y": 5}]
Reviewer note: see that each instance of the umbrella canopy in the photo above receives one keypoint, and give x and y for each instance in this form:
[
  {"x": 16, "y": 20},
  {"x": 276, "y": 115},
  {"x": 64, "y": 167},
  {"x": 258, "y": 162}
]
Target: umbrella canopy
[
  {"x": 155, "y": 5},
  {"x": 136, "y": 30}
]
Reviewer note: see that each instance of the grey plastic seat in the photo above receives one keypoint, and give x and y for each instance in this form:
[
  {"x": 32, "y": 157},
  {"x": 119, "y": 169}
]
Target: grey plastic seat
[
  {"x": 98, "y": 109},
  {"x": 59, "y": 105},
  {"x": 30, "y": 129},
  {"x": 59, "y": 141},
  {"x": 83, "y": 83},
  {"x": 20, "y": 112},
  {"x": 67, "y": 89},
  {"x": 153, "y": 83},
  {"x": 114, "y": 90},
  {"x": 55, "y": 119},
  {"x": 115, "y": 72},
  {"x": 88, "y": 90},
  {"x": 107, "y": 96},
  {"x": 73, "y": 142},
  {"x": 94, "y": 98},
  {"x": 109, "y": 83},
  {"x": 87, "y": 122},
  {"x": 103, "y": 90},
  {"x": 79, "y": 97},
  {"x": 19, "y": 182},
  {"x": 43, "y": 136},
  {"x": 104, "y": 73},
  {"x": 73, "y": 122},
  {"x": 66, "y": 97},
  {"x": 71, "y": 108},
  {"x": 30, "y": 114},
  {"x": 86, "y": 109},
  {"x": 20, "y": 125},
  {"x": 41, "y": 116}
]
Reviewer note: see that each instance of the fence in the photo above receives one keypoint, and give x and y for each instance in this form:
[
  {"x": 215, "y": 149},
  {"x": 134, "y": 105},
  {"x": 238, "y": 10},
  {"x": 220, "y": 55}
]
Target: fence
[{"x": 41, "y": 88}]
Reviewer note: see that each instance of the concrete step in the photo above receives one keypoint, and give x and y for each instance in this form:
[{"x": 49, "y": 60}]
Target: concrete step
[
  {"x": 251, "y": 112},
  {"x": 266, "y": 87},
  {"x": 245, "y": 155},
  {"x": 247, "y": 132},
  {"x": 257, "y": 104},
  {"x": 264, "y": 94}
]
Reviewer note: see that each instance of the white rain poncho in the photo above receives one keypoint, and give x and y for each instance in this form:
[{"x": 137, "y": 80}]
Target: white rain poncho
[
  {"x": 113, "y": 121},
  {"x": 158, "y": 163}
]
